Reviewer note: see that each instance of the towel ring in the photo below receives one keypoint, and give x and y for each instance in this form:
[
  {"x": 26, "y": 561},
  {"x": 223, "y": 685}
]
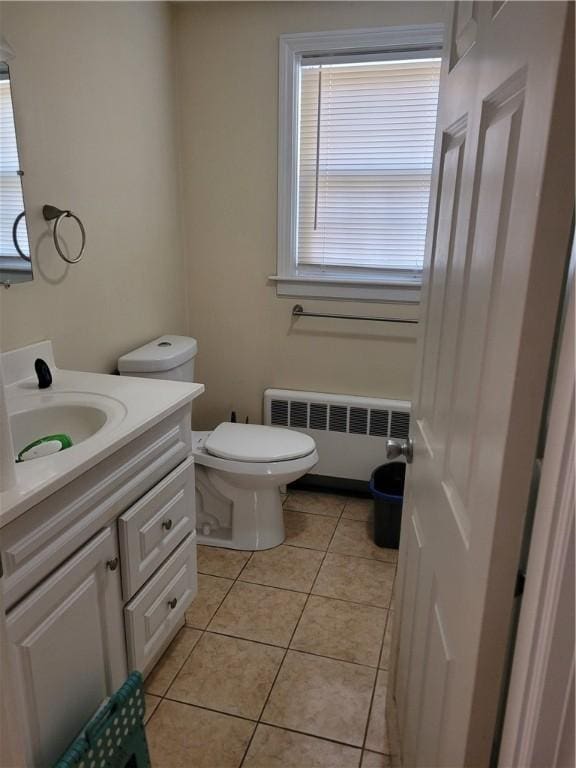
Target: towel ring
[
  {"x": 15, "y": 237},
  {"x": 50, "y": 213}
]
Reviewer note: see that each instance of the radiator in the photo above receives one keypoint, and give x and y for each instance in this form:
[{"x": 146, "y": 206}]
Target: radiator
[{"x": 350, "y": 431}]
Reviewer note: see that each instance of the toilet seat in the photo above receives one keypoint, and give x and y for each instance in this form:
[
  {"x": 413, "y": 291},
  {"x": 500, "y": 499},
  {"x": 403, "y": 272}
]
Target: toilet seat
[
  {"x": 255, "y": 469},
  {"x": 254, "y": 443}
]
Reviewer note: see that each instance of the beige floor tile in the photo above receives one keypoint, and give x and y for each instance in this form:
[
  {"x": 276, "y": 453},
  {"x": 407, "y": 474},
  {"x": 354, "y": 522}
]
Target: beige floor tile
[
  {"x": 254, "y": 612},
  {"x": 211, "y": 591},
  {"x": 151, "y": 702},
  {"x": 181, "y": 736},
  {"x": 322, "y": 697},
  {"x": 284, "y": 567},
  {"x": 228, "y": 674},
  {"x": 375, "y": 760},
  {"x": 358, "y": 509},
  {"x": 341, "y": 630},
  {"x": 277, "y": 748},
  {"x": 304, "y": 530},
  {"x": 377, "y": 737},
  {"x": 327, "y": 504},
  {"x": 355, "y": 578},
  {"x": 385, "y": 657},
  {"x": 218, "y": 561},
  {"x": 174, "y": 657},
  {"x": 354, "y": 537}
]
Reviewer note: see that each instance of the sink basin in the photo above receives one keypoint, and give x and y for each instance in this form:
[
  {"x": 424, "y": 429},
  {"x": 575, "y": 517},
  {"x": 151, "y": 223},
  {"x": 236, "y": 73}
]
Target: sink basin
[{"x": 79, "y": 417}]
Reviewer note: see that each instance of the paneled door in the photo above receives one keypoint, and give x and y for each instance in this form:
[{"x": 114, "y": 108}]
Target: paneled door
[{"x": 496, "y": 250}]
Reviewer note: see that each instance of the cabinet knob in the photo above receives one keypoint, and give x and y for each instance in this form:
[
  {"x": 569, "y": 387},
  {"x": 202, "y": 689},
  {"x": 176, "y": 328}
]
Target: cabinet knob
[
  {"x": 173, "y": 603},
  {"x": 112, "y": 564},
  {"x": 167, "y": 524}
]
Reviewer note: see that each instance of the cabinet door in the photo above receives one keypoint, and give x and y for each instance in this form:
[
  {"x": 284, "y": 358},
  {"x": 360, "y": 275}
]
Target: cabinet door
[{"x": 67, "y": 649}]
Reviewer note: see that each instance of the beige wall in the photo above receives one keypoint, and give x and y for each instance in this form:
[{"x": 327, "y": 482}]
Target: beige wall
[
  {"x": 227, "y": 79},
  {"x": 93, "y": 92}
]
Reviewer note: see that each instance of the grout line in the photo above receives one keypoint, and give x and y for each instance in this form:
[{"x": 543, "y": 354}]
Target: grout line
[
  {"x": 388, "y": 620},
  {"x": 261, "y": 722},
  {"x": 287, "y": 648},
  {"x": 271, "y": 586},
  {"x": 211, "y": 709},
  {"x": 312, "y": 735},
  {"x": 183, "y": 627},
  {"x": 274, "y": 682},
  {"x": 303, "y": 546},
  {"x": 315, "y": 514},
  {"x": 376, "y": 681}
]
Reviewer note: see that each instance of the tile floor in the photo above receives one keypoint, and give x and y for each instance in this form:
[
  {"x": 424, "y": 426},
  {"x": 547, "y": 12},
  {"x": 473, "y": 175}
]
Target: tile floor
[{"x": 283, "y": 660}]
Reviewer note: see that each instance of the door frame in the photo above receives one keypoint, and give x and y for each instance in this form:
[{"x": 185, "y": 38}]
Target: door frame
[{"x": 539, "y": 717}]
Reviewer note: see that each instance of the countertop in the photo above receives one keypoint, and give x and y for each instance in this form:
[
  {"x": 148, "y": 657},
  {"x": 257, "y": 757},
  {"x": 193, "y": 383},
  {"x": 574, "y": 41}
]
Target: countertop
[{"x": 136, "y": 405}]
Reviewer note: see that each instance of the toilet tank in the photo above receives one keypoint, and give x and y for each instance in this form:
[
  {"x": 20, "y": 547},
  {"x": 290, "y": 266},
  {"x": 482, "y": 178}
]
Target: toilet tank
[{"x": 169, "y": 357}]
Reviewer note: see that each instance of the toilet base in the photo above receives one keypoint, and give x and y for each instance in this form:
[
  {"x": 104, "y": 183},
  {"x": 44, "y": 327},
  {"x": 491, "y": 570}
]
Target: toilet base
[{"x": 234, "y": 517}]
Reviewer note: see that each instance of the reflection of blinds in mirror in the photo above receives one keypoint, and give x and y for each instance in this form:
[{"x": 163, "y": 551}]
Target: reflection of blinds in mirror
[
  {"x": 11, "y": 201},
  {"x": 365, "y": 160}
]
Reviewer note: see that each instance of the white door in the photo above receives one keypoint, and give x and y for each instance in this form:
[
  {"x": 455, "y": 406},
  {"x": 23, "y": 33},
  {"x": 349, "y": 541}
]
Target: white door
[
  {"x": 496, "y": 250},
  {"x": 66, "y": 646}
]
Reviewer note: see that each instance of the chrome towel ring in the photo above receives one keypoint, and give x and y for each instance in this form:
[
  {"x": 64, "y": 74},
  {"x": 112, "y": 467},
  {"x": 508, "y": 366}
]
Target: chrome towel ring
[{"x": 52, "y": 213}]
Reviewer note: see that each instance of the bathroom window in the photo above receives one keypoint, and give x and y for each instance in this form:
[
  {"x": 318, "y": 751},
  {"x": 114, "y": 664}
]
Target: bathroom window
[{"x": 357, "y": 128}]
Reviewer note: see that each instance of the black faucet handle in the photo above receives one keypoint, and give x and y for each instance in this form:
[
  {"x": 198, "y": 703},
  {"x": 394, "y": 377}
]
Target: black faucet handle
[{"x": 43, "y": 373}]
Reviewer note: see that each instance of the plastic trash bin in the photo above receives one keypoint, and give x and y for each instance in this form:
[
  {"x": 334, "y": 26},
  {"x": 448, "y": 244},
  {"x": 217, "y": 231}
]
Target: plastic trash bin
[{"x": 387, "y": 488}]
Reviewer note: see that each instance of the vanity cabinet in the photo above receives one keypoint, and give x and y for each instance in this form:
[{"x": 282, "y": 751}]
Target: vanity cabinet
[
  {"x": 67, "y": 646},
  {"x": 96, "y": 582}
]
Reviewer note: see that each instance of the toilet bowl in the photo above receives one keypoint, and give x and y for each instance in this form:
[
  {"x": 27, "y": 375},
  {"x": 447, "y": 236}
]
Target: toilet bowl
[{"x": 240, "y": 468}]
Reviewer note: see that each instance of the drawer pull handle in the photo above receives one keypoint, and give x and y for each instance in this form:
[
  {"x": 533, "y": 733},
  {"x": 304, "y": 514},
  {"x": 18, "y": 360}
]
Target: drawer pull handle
[
  {"x": 173, "y": 603},
  {"x": 167, "y": 524},
  {"x": 112, "y": 564}
]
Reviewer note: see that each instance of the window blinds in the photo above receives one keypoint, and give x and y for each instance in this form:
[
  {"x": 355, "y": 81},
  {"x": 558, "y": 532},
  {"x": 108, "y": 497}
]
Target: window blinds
[
  {"x": 11, "y": 201},
  {"x": 366, "y": 142}
]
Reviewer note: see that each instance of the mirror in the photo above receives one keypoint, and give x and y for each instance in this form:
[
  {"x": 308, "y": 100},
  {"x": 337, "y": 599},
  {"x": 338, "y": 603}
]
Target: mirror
[{"x": 15, "y": 262}]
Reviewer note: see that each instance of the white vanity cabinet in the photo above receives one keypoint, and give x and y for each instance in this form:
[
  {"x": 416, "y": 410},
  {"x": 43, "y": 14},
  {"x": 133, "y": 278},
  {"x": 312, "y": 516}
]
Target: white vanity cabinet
[{"x": 96, "y": 581}]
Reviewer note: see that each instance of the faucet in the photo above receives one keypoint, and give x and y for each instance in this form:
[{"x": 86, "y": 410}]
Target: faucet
[{"x": 43, "y": 373}]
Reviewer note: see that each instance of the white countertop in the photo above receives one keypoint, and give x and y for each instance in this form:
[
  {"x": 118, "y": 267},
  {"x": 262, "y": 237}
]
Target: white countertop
[{"x": 135, "y": 405}]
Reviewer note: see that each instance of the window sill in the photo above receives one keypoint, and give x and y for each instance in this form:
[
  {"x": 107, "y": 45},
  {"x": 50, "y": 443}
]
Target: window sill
[{"x": 399, "y": 291}]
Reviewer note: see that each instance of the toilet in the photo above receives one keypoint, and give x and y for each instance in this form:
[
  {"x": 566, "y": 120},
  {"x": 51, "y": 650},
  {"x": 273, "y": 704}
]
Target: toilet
[{"x": 240, "y": 468}]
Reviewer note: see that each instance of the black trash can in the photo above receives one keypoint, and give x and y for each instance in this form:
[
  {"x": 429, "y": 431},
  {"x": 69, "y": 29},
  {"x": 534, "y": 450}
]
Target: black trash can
[{"x": 387, "y": 487}]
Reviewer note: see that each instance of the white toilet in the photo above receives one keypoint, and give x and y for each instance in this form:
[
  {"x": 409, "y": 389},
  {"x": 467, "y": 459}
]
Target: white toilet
[{"x": 240, "y": 468}]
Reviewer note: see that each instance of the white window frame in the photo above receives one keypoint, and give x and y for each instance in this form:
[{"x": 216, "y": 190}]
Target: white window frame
[{"x": 406, "y": 289}]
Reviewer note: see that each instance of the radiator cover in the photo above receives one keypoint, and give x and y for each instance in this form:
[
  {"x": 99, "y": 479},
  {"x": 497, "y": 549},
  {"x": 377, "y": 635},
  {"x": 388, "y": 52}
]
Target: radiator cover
[{"x": 350, "y": 431}]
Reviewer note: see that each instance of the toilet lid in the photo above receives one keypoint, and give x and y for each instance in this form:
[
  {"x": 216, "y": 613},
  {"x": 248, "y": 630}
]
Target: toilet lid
[{"x": 254, "y": 442}]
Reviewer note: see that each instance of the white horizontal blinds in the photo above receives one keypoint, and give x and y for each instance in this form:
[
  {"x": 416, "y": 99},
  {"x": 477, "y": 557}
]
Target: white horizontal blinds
[
  {"x": 365, "y": 158},
  {"x": 11, "y": 201}
]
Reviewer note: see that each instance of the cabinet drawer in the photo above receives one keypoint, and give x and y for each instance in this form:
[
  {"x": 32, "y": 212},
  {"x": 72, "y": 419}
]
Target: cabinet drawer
[
  {"x": 155, "y": 525},
  {"x": 159, "y": 607}
]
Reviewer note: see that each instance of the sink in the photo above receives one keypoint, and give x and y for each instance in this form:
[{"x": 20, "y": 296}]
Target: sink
[{"x": 79, "y": 416}]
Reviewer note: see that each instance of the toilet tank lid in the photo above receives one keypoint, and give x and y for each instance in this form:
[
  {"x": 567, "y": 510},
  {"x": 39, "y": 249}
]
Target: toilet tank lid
[{"x": 162, "y": 354}]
